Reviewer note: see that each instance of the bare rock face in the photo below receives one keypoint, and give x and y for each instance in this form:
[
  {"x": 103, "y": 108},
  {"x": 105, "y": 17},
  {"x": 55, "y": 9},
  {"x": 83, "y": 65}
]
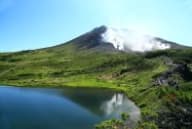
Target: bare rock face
[{"x": 173, "y": 75}]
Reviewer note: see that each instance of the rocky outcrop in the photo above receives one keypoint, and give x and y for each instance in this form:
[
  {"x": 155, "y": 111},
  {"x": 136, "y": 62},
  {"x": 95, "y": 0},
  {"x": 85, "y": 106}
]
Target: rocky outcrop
[{"x": 175, "y": 74}]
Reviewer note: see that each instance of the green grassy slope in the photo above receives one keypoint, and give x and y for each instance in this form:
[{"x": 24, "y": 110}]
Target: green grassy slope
[
  {"x": 134, "y": 74},
  {"x": 67, "y": 66}
]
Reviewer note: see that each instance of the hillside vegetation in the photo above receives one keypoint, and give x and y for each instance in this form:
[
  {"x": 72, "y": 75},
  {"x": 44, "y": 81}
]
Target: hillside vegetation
[{"x": 159, "y": 82}]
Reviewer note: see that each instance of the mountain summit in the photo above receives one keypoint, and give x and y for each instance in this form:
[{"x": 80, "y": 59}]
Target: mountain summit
[{"x": 108, "y": 38}]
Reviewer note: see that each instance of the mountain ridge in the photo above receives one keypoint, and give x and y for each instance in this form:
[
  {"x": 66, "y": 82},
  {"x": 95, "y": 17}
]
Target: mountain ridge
[{"x": 94, "y": 39}]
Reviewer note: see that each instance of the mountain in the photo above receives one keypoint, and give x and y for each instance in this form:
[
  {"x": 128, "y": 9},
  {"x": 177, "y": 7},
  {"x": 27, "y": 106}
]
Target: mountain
[
  {"x": 112, "y": 39},
  {"x": 155, "y": 73}
]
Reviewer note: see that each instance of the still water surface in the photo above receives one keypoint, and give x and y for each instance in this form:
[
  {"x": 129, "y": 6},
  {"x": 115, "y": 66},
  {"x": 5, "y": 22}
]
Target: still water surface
[{"x": 66, "y": 108}]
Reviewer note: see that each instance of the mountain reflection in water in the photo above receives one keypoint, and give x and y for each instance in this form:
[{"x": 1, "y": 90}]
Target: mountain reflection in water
[{"x": 66, "y": 108}]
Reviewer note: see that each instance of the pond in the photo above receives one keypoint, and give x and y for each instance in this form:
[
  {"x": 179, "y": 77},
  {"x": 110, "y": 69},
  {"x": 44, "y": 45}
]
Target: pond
[{"x": 61, "y": 108}]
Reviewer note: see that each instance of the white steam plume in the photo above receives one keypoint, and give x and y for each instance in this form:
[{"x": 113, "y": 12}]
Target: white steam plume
[{"x": 124, "y": 39}]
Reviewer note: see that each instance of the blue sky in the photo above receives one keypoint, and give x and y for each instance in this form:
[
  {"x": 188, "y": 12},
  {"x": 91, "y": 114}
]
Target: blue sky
[{"x": 30, "y": 24}]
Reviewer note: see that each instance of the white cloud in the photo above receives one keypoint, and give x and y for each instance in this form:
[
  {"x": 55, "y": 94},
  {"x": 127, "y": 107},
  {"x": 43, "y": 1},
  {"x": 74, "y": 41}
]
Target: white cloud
[{"x": 124, "y": 39}]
